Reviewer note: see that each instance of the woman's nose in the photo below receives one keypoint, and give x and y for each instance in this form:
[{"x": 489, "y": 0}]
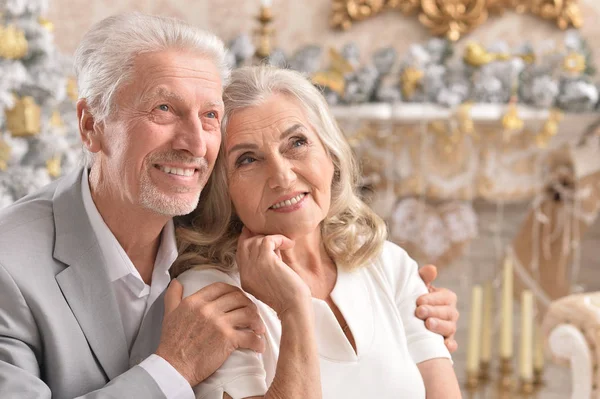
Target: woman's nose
[{"x": 281, "y": 174}]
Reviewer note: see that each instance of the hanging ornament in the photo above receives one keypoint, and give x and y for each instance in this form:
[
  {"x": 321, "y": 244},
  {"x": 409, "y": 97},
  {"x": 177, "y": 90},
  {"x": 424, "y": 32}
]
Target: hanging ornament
[
  {"x": 46, "y": 23},
  {"x": 72, "y": 91},
  {"x": 511, "y": 122},
  {"x": 5, "y": 153},
  {"x": 24, "y": 118},
  {"x": 13, "y": 43},
  {"x": 53, "y": 166},
  {"x": 549, "y": 129}
]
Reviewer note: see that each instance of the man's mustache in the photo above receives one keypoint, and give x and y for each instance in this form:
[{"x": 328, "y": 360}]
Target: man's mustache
[{"x": 177, "y": 157}]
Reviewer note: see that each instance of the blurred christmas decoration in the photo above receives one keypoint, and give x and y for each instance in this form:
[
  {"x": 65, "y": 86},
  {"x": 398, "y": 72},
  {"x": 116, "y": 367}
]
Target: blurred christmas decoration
[
  {"x": 453, "y": 19},
  {"x": 554, "y": 75},
  {"x": 23, "y": 119},
  {"x": 37, "y": 112},
  {"x": 13, "y": 44}
]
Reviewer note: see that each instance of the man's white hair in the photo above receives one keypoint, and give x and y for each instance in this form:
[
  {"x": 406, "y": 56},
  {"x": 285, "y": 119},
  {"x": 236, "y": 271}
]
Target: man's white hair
[{"x": 104, "y": 58}]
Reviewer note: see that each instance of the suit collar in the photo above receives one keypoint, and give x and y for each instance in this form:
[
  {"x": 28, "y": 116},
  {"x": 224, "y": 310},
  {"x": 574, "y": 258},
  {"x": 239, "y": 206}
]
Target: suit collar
[{"x": 84, "y": 282}]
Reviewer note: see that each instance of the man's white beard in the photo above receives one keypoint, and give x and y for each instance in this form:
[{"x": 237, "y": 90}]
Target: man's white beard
[{"x": 154, "y": 199}]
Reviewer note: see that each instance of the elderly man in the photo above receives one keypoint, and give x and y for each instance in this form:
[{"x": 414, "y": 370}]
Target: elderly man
[{"x": 84, "y": 263}]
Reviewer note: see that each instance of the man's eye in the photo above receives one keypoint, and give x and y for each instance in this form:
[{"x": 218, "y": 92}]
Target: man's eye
[
  {"x": 163, "y": 107},
  {"x": 211, "y": 114}
]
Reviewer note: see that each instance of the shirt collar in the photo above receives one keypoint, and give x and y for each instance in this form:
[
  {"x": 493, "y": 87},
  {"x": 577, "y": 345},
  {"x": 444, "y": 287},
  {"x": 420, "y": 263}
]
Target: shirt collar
[{"x": 117, "y": 263}]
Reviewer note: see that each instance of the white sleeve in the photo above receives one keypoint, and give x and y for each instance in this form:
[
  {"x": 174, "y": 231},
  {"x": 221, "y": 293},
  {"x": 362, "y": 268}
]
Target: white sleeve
[
  {"x": 243, "y": 373},
  {"x": 402, "y": 272},
  {"x": 171, "y": 383}
]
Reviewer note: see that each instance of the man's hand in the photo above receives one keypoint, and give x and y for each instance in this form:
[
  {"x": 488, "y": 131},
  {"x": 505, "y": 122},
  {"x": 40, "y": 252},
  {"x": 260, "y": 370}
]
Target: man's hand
[
  {"x": 202, "y": 330},
  {"x": 438, "y": 308}
]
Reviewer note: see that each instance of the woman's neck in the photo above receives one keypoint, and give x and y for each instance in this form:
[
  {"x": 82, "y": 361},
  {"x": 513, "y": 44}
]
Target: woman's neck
[{"x": 313, "y": 264}]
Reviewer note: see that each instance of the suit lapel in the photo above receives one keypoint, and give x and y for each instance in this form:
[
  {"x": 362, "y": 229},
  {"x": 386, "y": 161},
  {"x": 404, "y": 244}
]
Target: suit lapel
[{"x": 84, "y": 282}]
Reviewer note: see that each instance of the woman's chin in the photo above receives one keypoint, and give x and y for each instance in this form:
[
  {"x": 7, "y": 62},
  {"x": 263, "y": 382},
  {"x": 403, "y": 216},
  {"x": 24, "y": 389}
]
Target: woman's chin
[{"x": 294, "y": 232}]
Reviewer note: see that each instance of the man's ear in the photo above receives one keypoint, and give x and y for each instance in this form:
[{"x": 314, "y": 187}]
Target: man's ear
[{"x": 88, "y": 129}]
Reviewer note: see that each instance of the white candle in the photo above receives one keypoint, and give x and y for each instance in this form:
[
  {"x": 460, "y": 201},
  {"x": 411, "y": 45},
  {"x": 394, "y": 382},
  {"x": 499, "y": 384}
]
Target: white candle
[
  {"x": 506, "y": 332},
  {"x": 526, "y": 349},
  {"x": 473, "y": 347},
  {"x": 538, "y": 356},
  {"x": 266, "y": 3},
  {"x": 486, "y": 330}
]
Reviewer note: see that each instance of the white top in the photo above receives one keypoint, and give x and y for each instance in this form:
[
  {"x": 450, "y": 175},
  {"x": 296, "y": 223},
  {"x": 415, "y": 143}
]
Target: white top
[
  {"x": 378, "y": 302},
  {"x": 135, "y": 297}
]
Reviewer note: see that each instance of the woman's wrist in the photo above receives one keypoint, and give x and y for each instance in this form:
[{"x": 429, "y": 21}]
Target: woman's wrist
[{"x": 300, "y": 309}]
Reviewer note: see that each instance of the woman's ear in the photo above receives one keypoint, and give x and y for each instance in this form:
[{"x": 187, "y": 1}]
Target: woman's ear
[{"x": 88, "y": 129}]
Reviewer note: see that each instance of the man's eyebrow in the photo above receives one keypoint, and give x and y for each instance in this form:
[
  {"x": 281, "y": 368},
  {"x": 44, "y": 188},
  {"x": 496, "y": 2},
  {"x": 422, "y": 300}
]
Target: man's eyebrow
[
  {"x": 214, "y": 104},
  {"x": 250, "y": 146},
  {"x": 159, "y": 92}
]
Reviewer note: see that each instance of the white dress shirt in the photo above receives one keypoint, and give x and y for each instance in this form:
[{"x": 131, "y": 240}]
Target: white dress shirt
[{"x": 134, "y": 296}]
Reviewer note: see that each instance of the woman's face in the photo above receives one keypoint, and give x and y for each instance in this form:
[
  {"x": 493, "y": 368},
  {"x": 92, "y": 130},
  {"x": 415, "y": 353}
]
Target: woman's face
[{"x": 278, "y": 171}]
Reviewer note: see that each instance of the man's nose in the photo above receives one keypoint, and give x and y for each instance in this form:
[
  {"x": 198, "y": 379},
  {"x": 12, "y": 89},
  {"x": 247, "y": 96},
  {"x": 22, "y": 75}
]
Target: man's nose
[{"x": 191, "y": 138}]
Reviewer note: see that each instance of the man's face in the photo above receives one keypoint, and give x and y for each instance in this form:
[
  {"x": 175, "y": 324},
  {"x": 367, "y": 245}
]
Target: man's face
[{"x": 160, "y": 145}]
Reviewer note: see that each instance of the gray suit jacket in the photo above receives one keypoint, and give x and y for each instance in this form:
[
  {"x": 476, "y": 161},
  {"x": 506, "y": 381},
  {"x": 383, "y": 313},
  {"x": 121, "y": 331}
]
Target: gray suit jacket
[{"x": 61, "y": 334}]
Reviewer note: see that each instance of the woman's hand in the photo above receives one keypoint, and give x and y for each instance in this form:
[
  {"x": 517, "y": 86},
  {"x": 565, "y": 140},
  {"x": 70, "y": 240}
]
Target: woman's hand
[{"x": 264, "y": 274}]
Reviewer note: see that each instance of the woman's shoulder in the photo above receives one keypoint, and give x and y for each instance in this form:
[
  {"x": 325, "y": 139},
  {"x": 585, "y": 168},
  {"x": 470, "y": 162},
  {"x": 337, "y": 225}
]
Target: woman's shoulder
[
  {"x": 198, "y": 277},
  {"x": 394, "y": 264}
]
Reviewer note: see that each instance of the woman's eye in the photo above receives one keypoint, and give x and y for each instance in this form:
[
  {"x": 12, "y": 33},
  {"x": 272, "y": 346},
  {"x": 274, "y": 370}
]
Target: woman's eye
[
  {"x": 245, "y": 160},
  {"x": 211, "y": 114},
  {"x": 298, "y": 142},
  {"x": 163, "y": 107}
]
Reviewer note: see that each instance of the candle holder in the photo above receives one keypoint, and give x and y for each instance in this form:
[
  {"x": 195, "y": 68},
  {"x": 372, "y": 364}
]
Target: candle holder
[
  {"x": 264, "y": 33},
  {"x": 506, "y": 377},
  {"x": 472, "y": 380},
  {"x": 526, "y": 386},
  {"x": 538, "y": 377},
  {"x": 484, "y": 371}
]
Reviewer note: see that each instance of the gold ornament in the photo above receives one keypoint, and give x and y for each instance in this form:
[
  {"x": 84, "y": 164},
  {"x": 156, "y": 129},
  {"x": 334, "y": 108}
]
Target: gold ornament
[
  {"x": 56, "y": 120},
  {"x": 46, "y": 23},
  {"x": 511, "y": 122},
  {"x": 24, "y": 118},
  {"x": 463, "y": 116},
  {"x": 53, "y": 166},
  {"x": 410, "y": 80},
  {"x": 549, "y": 130},
  {"x": 72, "y": 91},
  {"x": 574, "y": 63},
  {"x": 13, "y": 43},
  {"x": 454, "y": 18},
  {"x": 333, "y": 78},
  {"x": 264, "y": 33},
  {"x": 476, "y": 55},
  {"x": 5, "y": 153}
]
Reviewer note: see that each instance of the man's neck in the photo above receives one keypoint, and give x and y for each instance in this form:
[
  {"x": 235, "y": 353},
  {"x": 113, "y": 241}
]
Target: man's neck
[{"x": 137, "y": 230}]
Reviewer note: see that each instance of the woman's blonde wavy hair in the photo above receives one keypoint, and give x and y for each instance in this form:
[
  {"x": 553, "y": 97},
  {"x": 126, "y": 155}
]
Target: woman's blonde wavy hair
[{"x": 352, "y": 233}]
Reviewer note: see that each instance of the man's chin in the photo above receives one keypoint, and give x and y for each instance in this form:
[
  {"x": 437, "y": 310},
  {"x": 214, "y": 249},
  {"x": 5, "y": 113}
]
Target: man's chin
[{"x": 175, "y": 205}]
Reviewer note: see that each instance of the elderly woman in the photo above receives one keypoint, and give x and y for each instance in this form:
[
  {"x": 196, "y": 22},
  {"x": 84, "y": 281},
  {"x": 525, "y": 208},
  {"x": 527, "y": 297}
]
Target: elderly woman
[{"x": 281, "y": 214}]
